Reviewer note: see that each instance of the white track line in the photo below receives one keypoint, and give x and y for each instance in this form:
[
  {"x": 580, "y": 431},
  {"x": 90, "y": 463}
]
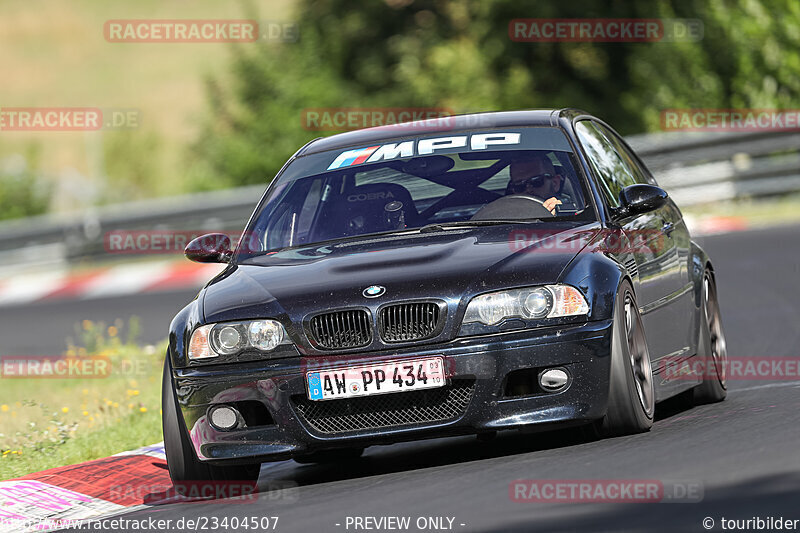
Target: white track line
[{"x": 767, "y": 386}]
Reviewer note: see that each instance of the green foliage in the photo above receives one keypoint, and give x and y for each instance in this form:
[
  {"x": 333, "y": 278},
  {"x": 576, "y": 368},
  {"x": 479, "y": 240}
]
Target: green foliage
[
  {"x": 252, "y": 132},
  {"x": 132, "y": 165},
  {"x": 458, "y": 55},
  {"x": 23, "y": 192}
]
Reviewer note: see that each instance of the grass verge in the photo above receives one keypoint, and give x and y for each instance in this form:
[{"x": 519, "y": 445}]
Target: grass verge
[{"x": 48, "y": 422}]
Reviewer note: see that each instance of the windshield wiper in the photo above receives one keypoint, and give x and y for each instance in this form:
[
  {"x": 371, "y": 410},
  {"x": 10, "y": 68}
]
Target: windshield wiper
[{"x": 442, "y": 226}]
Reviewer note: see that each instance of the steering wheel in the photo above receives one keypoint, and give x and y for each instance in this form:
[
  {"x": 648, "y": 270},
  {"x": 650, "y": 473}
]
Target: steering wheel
[{"x": 514, "y": 207}]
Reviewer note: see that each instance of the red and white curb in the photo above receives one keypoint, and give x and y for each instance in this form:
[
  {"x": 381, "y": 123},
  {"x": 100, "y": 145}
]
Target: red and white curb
[
  {"x": 700, "y": 226},
  {"x": 104, "y": 282},
  {"x": 47, "y": 500},
  {"x": 65, "y": 496}
]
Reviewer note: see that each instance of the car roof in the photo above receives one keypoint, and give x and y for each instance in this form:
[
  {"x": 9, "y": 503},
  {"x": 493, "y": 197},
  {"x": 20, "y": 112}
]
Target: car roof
[{"x": 530, "y": 117}]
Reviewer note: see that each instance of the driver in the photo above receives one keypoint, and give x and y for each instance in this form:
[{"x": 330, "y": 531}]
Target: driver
[{"x": 537, "y": 178}]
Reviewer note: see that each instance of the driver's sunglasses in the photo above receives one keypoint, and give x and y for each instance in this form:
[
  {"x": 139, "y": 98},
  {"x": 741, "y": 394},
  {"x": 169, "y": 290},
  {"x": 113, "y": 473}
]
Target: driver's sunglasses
[{"x": 520, "y": 186}]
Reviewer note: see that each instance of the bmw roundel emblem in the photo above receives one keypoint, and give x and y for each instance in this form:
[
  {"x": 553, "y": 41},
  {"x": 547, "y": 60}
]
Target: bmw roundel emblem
[{"x": 373, "y": 291}]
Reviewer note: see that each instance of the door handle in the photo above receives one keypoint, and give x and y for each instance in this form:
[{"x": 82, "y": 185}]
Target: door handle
[{"x": 668, "y": 228}]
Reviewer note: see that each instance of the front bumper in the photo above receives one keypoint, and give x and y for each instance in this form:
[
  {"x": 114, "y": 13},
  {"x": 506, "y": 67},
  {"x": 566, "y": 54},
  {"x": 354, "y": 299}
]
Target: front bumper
[{"x": 584, "y": 350}]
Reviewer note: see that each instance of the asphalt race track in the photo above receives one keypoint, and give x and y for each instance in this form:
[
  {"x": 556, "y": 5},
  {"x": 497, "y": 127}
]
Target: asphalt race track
[
  {"x": 743, "y": 453},
  {"x": 42, "y": 328}
]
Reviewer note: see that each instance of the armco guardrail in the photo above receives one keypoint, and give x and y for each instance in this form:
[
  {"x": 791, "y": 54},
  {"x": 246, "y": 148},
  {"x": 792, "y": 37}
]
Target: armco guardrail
[
  {"x": 694, "y": 168},
  {"x": 705, "y": 167},
  {"x": 48, "y": 239}
]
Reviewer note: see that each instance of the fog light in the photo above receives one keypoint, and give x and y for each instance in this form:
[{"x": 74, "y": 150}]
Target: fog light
[
  {"x": 553, "y": 379},
  {"x": 224, "y": 417}
]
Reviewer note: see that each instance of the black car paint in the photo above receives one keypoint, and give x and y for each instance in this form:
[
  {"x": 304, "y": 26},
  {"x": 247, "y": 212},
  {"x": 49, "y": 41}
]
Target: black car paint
[
  {"x": 663, "y": 295},
  {"x": 288, "y": 287},
  {"x": 582, "y": 349}
]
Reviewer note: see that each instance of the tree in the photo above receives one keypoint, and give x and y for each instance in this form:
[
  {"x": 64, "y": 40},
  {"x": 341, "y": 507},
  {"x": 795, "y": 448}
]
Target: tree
[{"x": 458, "y": 55}]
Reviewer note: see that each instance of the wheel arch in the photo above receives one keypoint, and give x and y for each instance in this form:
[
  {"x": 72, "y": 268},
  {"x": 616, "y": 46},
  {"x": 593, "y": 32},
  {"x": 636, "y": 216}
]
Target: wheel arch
[
  {"x": 180, "y": 331},
  {"x": 699, "y": 261},
  {"x": 598, "y": 276}
]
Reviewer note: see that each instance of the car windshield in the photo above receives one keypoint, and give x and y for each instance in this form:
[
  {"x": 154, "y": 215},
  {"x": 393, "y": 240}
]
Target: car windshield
[{"x": 473, "y": 185}]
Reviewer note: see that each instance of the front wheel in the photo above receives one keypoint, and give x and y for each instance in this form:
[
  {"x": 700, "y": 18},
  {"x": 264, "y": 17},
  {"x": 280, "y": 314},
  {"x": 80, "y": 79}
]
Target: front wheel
[
  {"x": 182, "y": 462},
  {"x": 631, "y": 393},
  {"x": 713, "y": 350}
]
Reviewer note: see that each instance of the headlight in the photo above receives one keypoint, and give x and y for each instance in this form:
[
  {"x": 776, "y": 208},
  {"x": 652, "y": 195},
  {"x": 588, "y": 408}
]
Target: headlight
[
  {"x": 265, "y": 334},
  {"x": 229, "y": 338},
  {"x": 529, "y": 303}
]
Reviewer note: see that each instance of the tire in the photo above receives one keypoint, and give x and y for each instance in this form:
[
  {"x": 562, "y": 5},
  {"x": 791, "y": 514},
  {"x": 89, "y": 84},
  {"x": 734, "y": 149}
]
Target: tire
[
  {"x": 330, "y": 456},
  {"x": 631, "y": 392},
  {"x": 182, "y": 462},
  {"x": 712, "y": 350}
]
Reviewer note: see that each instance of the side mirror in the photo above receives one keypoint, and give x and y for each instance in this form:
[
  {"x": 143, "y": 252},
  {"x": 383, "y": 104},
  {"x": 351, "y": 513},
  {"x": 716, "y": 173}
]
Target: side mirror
[
  {"x": 210, "y": 248},
  {"x": 641, "y": 198}
]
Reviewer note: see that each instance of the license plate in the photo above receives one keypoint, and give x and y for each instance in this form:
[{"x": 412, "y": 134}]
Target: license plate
[{"x": 376, "y": 378}]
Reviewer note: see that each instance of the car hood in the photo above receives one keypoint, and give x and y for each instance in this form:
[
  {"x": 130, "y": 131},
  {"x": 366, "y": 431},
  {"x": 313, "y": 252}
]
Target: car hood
[{"x": 452, "y": 265}]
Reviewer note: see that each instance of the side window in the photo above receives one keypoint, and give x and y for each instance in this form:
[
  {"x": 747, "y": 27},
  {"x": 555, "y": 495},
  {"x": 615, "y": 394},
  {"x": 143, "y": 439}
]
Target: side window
[
  {"x": 640, "y": 173},
  {"x": 612, "y": 171}
]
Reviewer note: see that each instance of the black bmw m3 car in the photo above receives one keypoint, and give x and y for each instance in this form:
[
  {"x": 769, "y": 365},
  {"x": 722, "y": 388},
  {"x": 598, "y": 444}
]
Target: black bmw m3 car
[{"x": 464, "y": 275}]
